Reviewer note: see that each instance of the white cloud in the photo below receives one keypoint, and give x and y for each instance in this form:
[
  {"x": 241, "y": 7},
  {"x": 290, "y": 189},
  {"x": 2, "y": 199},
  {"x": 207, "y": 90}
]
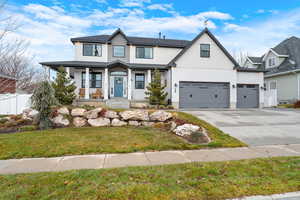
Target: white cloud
[
  {"x": 262, "y": 35},
  {"x": 101, "y": 1},
  {"x": 162, "y": 7},
  {"x": 133, "y": 3},
  {"x": 235, "y": 27},
  {"x": 261, "y": 11}
]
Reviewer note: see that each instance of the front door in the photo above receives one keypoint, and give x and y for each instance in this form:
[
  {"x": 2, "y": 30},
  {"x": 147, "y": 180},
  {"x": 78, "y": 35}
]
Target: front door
[{"x": 118, "y": 86}]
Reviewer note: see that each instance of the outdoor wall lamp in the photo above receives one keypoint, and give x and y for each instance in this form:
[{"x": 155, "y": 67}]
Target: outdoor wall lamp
[
  {"x": 263, "y": 88},
  {"x": 175, "y": 86},
  {"x": 233, "y": 85}
]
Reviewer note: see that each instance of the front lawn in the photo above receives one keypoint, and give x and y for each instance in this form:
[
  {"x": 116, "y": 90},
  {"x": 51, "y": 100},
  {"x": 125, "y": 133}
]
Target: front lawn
[
  {"x": 75, "y": 141},
  {"x": 207, "y": 181}
]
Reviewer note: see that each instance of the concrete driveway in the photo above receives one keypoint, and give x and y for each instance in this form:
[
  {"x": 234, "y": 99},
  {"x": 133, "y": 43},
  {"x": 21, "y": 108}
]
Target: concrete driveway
[{"x": 256, "y": 127}]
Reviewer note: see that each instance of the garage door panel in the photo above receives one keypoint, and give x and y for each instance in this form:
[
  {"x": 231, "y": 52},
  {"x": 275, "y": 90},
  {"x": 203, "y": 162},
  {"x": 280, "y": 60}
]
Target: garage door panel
[
  {"x": 203, "y": 95},
  {"x": 247, "y": 96}
]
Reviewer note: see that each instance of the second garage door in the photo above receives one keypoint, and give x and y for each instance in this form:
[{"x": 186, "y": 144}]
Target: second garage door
[
  {"x": 247, "y": 96},
  {"x": 203, "y": 95}
]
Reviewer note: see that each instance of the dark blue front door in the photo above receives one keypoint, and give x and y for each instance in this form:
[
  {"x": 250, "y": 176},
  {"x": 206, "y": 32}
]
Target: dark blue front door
[{"x": 118, "y": 87}]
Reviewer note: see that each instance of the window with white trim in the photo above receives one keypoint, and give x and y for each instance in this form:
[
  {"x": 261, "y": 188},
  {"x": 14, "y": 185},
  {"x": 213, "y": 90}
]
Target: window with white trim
[
  {"x": 92, "y": 50},
  {"x": 204, "y": 50},
  {"x": 118, "y": 51},
  {"x": 144, "y": 52}
]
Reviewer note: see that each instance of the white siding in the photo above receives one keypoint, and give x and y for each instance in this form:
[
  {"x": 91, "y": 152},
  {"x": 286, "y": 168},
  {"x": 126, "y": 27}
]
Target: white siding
[
  {"x": 278, "y": 60},
  {"x": 78, "y": 47},
  {"x": 161, "y": 55}
]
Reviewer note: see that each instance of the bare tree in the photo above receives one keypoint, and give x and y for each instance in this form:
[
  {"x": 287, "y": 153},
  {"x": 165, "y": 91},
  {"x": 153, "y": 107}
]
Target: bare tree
[
  {"x": 14, "y": 58},
  {"x": 240, "y": 56}
]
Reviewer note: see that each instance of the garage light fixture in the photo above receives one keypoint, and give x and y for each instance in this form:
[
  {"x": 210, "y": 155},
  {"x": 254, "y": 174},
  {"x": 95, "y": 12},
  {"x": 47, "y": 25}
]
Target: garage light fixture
[{"x": 233, "y": 86}]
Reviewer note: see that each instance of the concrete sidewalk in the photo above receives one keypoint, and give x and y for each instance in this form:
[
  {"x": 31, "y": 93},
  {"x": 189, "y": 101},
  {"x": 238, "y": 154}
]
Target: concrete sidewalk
[
  {"x": 30, "y": 165},
  {"x": 285, "y": 196}
]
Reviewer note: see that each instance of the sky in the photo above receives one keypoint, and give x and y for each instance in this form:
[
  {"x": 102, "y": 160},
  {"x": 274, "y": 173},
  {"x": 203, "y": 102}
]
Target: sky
[{"x": 241, "y": 26}]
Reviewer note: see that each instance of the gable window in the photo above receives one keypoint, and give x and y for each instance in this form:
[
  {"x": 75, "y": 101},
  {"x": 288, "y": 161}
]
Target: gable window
[
  {"x": 95, "y": 80},
  {"x": 139, "y": 81},
  {"x": 271, "y": 62},
  {"x": 204, "y": 50},
  {"x": 92, "y": 50},
  {"x": 118, "y": 51},
  {"x": 144, "y": 52}
]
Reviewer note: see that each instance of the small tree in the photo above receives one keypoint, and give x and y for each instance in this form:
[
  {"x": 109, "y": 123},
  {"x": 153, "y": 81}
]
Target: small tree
[
  {"x": 64, "y": 88},
  {"x": 155, "y": 90},
  {"x": 42, "y": 100}
]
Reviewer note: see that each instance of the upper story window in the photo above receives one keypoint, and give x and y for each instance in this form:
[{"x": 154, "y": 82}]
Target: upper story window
[
  {"x": 92, "y": 50},
  {"x": 95, "y": 80},
  {"x": 204, "y": 50},
  {"x": 144, "y": 52},
  {"x": 118, "y": 51},
  {"x": 271, "y": 62},
  {"x": 139, "y": 81}
]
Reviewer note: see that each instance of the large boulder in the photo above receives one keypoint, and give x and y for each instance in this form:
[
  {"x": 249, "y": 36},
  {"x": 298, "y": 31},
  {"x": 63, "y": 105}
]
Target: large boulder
[
  {"x": 141, "y": 115},
  {"x": 148, "y": 124},
  {"x": 160, "y": 115},
  {"x": 99, "y": 122},
  {"x": 59, "y": 120},
  {"x": 186, "y": 129},
  {"x": 79, "y": 121},
  {"x": 134, "y": 123},
  {"x": 92, "y": 114},
  {"x": 78, "y": 112},
  {"x": 111, "y": 114},
  {"x": 63, "y": 111},
  {"x": 30, "y": 114},
  {"x": 117, "y": 122}
]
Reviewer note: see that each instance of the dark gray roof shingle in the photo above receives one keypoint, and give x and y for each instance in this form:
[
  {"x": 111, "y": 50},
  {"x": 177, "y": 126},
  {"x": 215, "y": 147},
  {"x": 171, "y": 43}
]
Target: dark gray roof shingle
[
  {"x": 255, "y": 59},
  {"x": 136, "y": 41}
]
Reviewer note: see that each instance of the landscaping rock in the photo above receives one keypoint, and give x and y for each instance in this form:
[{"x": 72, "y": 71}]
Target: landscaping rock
[
  {"x": 60, "y": 121},
  {"x": 148, "y": 124},
  {"x": 173, "y": 126},
  {"x": 186, "y": 129},
  {"x": 99, "y": 122},
  {"x": 160, "y": 115},
  {"x": 134, "y": 123},
  {"x": 139, "y": 105},
  {"x": 63, "y": 111},
  {"x": 111, "y": 114},
  {"x": 92, "y": 114},
  {"x": 78, "y": 112},
  {"x": 117, "y": 122},
  {"x": 30, "y": 114},
  {"x": 141, "y": 115},
  {"x": 79, "y": 121}
]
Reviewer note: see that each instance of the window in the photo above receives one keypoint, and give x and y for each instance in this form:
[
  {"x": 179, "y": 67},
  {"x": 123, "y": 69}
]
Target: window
[
  {"x": 119, "y": 51},
  {"x": 144, "y": 52},
  {"x": 271, "y": 62},
  {"x": 92, "y": 50},
  {"x": 139, "y": 81},
  {"x": 95, "y": 80},
  {"x": 204, "y": 50}
]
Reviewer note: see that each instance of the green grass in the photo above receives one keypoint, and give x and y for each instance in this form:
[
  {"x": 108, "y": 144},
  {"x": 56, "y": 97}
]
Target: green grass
[
  {"x": 78, "y": 141},
  {"x": 198, "y": 181}
]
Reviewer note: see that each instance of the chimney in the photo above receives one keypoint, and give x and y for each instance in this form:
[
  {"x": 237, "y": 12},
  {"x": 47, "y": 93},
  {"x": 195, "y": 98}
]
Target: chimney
[
  {"x": 164, "y": 37},
  {"x": 159, "y": 35}
]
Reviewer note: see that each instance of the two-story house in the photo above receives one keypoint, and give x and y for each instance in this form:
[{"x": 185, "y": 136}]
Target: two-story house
[
  {"x": 198, "y": 73},
  {"x": 282, "y": 66}
]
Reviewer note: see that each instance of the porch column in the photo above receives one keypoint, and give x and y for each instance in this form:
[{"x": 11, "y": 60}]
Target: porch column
[
  {"x": 105, "y": 88},
  {"x": 68, "y": 71},
  {"x": 149, "y": 76},
  {"x": 87, "y": 83},
  {"x": 129, "y": 84}
]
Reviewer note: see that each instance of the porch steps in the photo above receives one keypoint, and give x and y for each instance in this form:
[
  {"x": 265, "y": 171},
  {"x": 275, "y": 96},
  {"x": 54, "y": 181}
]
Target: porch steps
[{"x": 118, "y": 103}]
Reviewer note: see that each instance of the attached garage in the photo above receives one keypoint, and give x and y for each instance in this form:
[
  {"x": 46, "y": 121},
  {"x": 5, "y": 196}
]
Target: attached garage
[
  {"x": 203, "y": 95},
  {"x": 247, "y": 96}
]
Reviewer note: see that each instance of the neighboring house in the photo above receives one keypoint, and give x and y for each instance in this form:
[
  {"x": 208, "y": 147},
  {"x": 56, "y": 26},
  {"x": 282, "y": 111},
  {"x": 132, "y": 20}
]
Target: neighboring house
[
  {"x": 7, "y": 84},
  {"x": 282, "y": 65},
  {"x": 198, "y": 73}
]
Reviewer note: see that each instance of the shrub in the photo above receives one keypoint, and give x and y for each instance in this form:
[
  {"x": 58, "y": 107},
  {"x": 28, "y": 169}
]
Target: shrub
[
  {"x": 3, "y": 120},
  {"x": 28, "y": 128},
  {"x": 64, "y": 88},
  {"x": 170, "y": 107},
  {"x": 42, "y": 100},
  {"x": 180, "y": 122},
  {"x": 297, "y": 104},
  {"x": 88, "y": 107}
]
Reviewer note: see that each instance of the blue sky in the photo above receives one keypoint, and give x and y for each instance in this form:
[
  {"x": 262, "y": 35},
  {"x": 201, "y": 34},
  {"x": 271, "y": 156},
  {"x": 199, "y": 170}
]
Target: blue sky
[{"x": 242, "y": 26}]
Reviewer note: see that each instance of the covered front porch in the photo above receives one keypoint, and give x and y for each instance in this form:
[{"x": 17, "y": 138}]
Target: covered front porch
[{"x": 116, "y": 80}]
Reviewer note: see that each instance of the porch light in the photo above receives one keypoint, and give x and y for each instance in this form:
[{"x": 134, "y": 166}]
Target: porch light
[
  {"x": 263, "y": 88},
  {"x": 233, "y": 85}
]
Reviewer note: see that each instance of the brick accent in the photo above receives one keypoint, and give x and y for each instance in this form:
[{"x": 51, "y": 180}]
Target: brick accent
[{"x": 7, "y": 85}]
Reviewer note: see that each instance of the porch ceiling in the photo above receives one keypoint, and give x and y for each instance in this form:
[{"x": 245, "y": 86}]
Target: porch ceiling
[{"x": 82, "y": 64}]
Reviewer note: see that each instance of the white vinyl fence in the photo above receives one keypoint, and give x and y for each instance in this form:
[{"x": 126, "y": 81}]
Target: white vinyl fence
[{"x": 14, "y": 103}]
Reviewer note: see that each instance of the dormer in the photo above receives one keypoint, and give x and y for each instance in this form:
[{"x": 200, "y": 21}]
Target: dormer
[
  {"x": 252, "y": 62},
  {"x": 273, "y": 59}
]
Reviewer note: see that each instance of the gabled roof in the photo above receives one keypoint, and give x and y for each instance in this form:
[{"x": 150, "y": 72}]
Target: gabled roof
[
  {"x": 172, "y": 63},
  {"x": 255, "y": 60},
  {"x": 143, "y": 41},
  {"x": 118, "y": 31}
]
